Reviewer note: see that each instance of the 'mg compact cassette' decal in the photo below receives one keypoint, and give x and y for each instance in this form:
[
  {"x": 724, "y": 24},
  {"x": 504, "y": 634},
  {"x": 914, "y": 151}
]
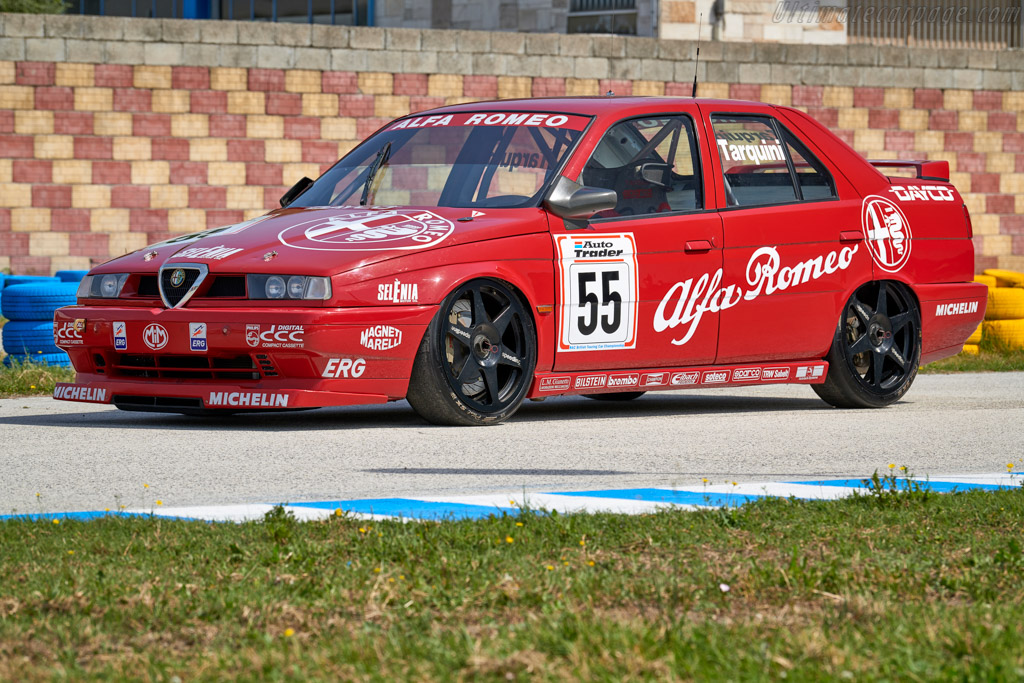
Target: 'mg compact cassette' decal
[{"x": 598, "y": 280}]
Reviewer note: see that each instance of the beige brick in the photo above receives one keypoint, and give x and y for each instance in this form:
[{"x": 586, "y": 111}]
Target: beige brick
[
  {"x": 984, "y": 224},
  {"x": 777, "y": 94},
  {"x": 190, "y": 125},
  {"x": 249, "y": 214},
  {"x": 5, "y": 263},
  {"x": 6, "y": 170},
  {"x": 54, "y": 147},
  {"x": 444, "y": 85},
  {"x": 150, "y": 172},
  {"x": 132, "y": 149},
  {"x": 299, "y": 80},
  {"x": 109, "y": 220},
  {"x": 1013, "y": 101},
  {"x": 584, "y": 86},
  {"x": 321, "y": 104},
  {"x": 208, "y": 149},
  {"x": 225, "y": 173},
  {"x": 90, "y": 196},
  {"x": 64, "y": 262},
  {"x": 108, "y": 123},
  {"x": 929, "y": 141},
  {"x": 282, "y": 151},
  {"x": 7, "y": 73},
  {"x": 48, "y": 244},
  {"x": 186, "y": 220},
  {"x": 30, "y": 220},
  {"x": 898, "y": 98},
  {"x": 17, "y": 97},
  {"x": 15, "y": 194},
  {"x": 245, "y": 102},
  {"x": 988, "y": 142},
  {"x": 962, "y": 181},
  {"x": 267, "y": 127},
  {"x": 1011, "y": 262},
  {"x": 914, "y": 119},
  {"x": 27, "y": 122},
  {"x": 74, "y": 75},
  {"x": 390, "y": 106},
  {"x": 1011, "y": 183},
  {"x": 449, "y": 101},
  {"x": 1018, "y": 204},
  {"x": 976, "y": 205},
  {"x": 869, "y": 141},
  {"x": 152, "y": 77},
  {"x": 853, "y": 119},
  {"x": 338, "y": 128},
  {"x": 127, "y": 242},
  {"x": 346, "y": 146},
  {"x": 371, "y": 83},
  {"x": 648, "y": 88},
  {"x": 168, "y": 196},
  {"x": 999, "y": 162},
  {"x": 173, "y": 101},
  {"x": 836, "y": 96},
  {"x": 943, "y": 155},
  {"x": 72, "y": 171},
  {"x": 997, "y": 245},
  {"x": 973, "y": 120},
  {"x": 958, "y": 100},
  {"x": 244, "y": 197},
  {"x": 714, "y": 90},
  {"x": 223, "y": 78},
  {"x": 514, "y": 87},
  {"x": 292, "y": 172}
]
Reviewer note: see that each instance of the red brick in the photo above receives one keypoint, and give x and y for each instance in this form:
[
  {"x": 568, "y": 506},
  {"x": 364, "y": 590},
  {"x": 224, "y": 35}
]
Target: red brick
[
  {"x": 959, "y": 142},
  {"x": 133, "y": 99},
  {"x": 206, "y": 197},
  {"x": 988, "y": 100},
  {"x": 982, "y": 263},
  {"x": 744, "y": 91},
  {"x": 302, "y": 128},
  {"x": 1002, "y": 121},
  {"x": 619, "y": 87},
  {"x": 424, "y": 102},
  {"x": 808, "y": 95},
  {"x": 154, "y": 236},
  {"x": 970, "y": 162},
  {"x": 94, "y": 244},
  {"x": 34, "y": 73},
  {"x": 169, "y": 149},
  {"x": 899, "y": 140},
  {"x": 227, "y": 126},
  {"x": 190, "y": 78},
  {"x": 208, "y": 101},
  {"x": 926, "y": 98},
  {"x": 7, "y": 121},
  {"x": 270, "y": 80},
  {"x": 674, "y": 89},
  {"x": 358, "y": 106},
  {"x": 114, "y": 75},
  {"x": 1013, "y": 142},
  {"x": 884, "y": 119},
  {"x": 284, "y": 104},
  {"x": 72, "y": 122},
  {"x": 272, "y": 197},
  {"x": 30, "y": 265},
  {"x": 985, "y": 183},
  {"x": 1018, "y": 244},
  {"x": 266, "y": 174},
  {"x": 480, "y": 86},
  {"x": 14, "y": 243},
  {"x": 319, "y": 152},
  {"x": 151, "y": 125},
  {"x": 869, "y": 97},
  {"x": 365, "y": 127},
  {"x": 33, "y": 171},
  {"x": 1011, "y": 225},
  {"x": 999, "y": 203},
  {"x": 5, "y": 222},
  {"x": 942, "y": 120},
  {"x": 845, "y": 135},
  {"x": 409, "y": 84},
  {"x": 827, "y": 116},
  {"x": 215, "y": 219},
  {"x": 55, "y": 98},
  {"x": 246, "y": 150},
  {"x": 145, "y": 220},
  {"x": 15, "y": 146},
  {"x": 111, "y": 172},
  {"x": 188, "y": 173},
  {"x": 129, "y": 197},
  {"x": 342, "y": 82},
  {"x": 70, "y": 220},
  {"x": 1018, "y": 163}
]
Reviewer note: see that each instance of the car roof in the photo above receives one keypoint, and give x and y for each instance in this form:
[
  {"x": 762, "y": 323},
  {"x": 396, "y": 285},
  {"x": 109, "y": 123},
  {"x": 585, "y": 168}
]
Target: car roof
[{"x": 592, "y": 105}]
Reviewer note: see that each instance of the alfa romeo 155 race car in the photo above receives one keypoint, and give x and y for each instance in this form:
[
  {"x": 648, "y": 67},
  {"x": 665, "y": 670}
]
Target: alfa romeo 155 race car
[{"x": 474, "y": 256}]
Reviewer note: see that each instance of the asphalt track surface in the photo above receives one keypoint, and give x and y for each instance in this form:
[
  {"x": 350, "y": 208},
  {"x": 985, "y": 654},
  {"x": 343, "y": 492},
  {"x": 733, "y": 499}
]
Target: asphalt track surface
[{"x": 88, "y": 457}]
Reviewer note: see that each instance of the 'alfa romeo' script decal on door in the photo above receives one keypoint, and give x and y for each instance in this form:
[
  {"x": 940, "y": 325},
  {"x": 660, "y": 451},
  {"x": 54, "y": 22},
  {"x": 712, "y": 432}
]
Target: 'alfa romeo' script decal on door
[{"x": 362, "y": 230}]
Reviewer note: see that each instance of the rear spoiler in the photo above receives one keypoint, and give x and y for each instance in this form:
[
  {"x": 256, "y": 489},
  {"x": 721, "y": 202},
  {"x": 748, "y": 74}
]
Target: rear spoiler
[{"x": 926, "y": 170}]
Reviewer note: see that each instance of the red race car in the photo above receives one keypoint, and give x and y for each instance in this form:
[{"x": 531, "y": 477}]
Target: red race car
[{"x": 473, "y": 256}]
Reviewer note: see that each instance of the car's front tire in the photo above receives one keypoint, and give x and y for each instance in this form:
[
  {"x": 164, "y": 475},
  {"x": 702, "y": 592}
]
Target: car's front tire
[
  {"x": 476, "y": 361},
  {"x": 876, "y": 349}
]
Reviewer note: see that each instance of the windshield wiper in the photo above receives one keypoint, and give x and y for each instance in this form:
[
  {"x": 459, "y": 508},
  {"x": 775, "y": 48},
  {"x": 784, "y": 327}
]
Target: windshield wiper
[{"x": 382, "y": 158}]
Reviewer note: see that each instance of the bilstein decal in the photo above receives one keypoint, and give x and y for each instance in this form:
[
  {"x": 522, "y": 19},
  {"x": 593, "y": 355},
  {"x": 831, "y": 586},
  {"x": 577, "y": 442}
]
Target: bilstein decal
[{"x": 369, "y": 230}]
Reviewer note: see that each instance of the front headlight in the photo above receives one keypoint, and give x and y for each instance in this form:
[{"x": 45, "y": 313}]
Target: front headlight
[
  {"x": 106, "y": 286},
  {"x": 288, "y": 287}
]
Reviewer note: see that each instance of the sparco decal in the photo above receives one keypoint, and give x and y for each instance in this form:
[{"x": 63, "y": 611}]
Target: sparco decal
[
  {"x": 398, "y": 292},
  {"x": 554, "y": 383},
  {"x": 680, "y": 379},
  {"x": 685, "y": 303},
  {"x": 208, "y": 253},
  {"x": 71, "y": 392},
  {"x": 886, "y": 233},
  {"x": 120, "y": 331},
  {"x": 653, "y": 379},
  {"x": 630, "y": 380},
  {"x": 380, "y": 337},
  {"x": 775, "y": 374},
  {"x": 715, "y": 377},
  {"x": 959, "y": 308},
  {"x": 66, "y": 334},
  {"x": 247, "y": 399},
  {"x": 344, "y": 367},
  {"x": 911, "y": 193},
  {"x": 591, "y": 381},
  {"x": 368, "y": 230},
  {"x": 155, "y": 336},
  {"x": 275, "y": 336},
  {"x": 746, "y": 374}
]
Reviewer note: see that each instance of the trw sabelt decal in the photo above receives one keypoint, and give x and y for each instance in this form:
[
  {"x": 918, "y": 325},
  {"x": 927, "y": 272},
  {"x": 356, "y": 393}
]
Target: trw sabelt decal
[
  {"x": 886, "y": 233},
  {"x": 598, "y": 280}
]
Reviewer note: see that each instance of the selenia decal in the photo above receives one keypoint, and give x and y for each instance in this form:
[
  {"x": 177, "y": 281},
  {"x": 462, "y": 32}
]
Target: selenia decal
[
  {"x": 598, "y": 280},
  {"x": 886, "y": 233},
  {"x": 368, "y": 230}
]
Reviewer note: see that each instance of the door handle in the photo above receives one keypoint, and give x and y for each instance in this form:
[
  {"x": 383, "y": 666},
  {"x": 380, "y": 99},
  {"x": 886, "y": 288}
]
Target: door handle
[
  {"x": 851, "y": 236},
  {"x": 698, "y": 246}
]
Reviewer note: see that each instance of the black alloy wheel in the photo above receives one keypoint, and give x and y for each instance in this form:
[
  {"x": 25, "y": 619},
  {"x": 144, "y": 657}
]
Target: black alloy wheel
[
  {"x": 476, "y": 361},
  {"x": 876, "y": 349}
]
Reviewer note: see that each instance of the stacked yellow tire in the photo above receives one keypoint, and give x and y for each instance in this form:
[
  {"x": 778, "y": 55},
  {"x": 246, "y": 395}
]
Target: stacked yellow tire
[{"x": 1004, "y": 317}]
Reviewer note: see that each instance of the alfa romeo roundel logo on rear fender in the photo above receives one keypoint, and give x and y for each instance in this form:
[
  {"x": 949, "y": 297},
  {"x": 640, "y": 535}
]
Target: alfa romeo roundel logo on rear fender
[
  {"x": 886, "y": 233},
  {"x": 368, "y": 230},
  {"x": 155, "y": 336}
]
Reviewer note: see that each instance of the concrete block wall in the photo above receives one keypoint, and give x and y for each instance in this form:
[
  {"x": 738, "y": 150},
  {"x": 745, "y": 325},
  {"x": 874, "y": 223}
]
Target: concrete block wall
[{"x": 115, "y": 132}]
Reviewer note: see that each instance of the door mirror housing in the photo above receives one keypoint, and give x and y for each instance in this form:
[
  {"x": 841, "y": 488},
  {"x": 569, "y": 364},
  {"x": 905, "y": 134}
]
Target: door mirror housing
[
  {"x": 297, "y": 189},
  {"x": 569, "y": 199}
]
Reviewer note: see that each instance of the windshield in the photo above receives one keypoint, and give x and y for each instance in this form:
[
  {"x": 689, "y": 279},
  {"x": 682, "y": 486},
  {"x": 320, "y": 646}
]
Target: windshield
[{"x": 475, "y": 159}]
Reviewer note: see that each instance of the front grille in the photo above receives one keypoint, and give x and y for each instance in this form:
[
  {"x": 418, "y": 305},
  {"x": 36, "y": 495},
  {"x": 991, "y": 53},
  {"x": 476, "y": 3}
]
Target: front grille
[
  {"x": 174, "y": 293},
  {"x": 148, "y": 286},
  {"x": 149, "y": 366}
]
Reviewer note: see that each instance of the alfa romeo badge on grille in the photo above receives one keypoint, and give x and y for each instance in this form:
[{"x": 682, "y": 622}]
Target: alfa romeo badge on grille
[{"x": 177, "y": 277}]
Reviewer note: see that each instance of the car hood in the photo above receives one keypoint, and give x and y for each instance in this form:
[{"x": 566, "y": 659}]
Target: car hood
[{"x": 330, "y": 240}]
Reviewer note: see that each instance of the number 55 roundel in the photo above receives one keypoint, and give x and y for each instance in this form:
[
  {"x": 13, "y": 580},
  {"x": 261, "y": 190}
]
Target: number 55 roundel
[{"x": 598, "y": 280}]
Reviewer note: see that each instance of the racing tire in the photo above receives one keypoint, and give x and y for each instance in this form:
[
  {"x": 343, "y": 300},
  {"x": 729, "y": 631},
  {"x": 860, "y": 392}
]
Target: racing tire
[
  {"x": 1007, "y": 334},
  {"x": 1005, "y": 278},
  {"x": 986, "y": 280},
  {"x": 975, "y": 337},
  {"x": 616, "y": 396},
  {"x": 37, "y": 301},
  {"x": 476, "y": 361},
  {"x": 12, "y": 280},
  {"x": 60, "y": 359},
  {"x": 70, "y": 275},
  {"x": 1005, "y": 303},
  {"x": 876, "y": 348},
  {"x": 970, "y": 350},
  {"x": 29, "y": 337}
]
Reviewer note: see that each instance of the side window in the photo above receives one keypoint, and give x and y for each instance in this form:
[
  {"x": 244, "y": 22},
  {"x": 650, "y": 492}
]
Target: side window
[
  {"x": 651, "y": 164},
  {"x": 812, "y": 177}
]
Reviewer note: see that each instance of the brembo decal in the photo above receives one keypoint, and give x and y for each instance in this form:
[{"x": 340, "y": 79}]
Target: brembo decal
[
  {"x": 352, "y": 229},
  {"x": 886, "y": 233}
]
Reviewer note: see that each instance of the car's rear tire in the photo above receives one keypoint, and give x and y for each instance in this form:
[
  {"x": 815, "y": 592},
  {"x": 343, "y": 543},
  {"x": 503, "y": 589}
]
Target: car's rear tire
[
  {"x": 476, "y": 361},
  {"x": 876, "y": 348},
  {"x": 617, "y": 396}
]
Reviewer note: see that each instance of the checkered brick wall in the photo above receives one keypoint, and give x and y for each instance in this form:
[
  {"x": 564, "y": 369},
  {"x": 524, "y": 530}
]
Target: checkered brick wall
[{"x": 115, "y": 133}]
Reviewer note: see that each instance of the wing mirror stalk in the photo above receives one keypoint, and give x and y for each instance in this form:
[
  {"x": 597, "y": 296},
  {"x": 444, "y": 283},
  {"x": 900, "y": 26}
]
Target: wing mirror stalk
[
  {"x": 296, "y": 190},
  {"x": 576, "y": 203}
]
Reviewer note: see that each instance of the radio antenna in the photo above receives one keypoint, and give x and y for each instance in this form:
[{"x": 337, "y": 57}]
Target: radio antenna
[{"x": 700, "y": 25}]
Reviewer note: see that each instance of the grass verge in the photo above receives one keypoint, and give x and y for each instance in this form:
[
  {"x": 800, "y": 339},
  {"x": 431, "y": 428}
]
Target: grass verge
[
  {"x": 993, "y": 356},
  {"x": 894, "y": 586},
  {"x": 32, "y": 379}
]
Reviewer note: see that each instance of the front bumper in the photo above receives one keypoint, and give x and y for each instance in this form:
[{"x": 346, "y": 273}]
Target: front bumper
[{"x": 239, "y": 359}]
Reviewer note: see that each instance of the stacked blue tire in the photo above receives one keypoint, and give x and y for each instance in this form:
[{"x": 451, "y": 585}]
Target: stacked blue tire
[{"x": 28, "y": 303}]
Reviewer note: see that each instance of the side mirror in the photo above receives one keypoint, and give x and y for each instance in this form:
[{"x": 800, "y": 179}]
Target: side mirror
[
  {"x": 297, "y": 189},
  {"x": 569, "y": 199}
]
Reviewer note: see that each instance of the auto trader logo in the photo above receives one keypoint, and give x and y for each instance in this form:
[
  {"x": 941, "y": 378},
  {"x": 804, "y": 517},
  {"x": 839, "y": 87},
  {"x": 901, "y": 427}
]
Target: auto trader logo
[{"x": 368, "y": 230}]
